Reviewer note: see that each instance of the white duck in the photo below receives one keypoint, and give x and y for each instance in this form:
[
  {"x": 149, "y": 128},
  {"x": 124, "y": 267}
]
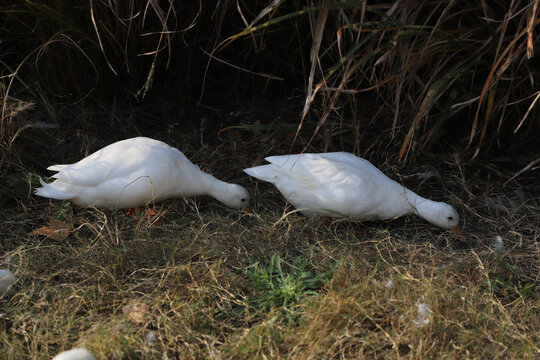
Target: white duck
[
  {"x": 135, "y": 172},
  {"x": 343, "y": 185},
  {"x": 75, "y": 354},
  {"x": 6, "y": 280}
]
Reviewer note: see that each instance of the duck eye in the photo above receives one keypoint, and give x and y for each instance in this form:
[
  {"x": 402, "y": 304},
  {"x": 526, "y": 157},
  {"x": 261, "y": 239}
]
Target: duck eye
[
  {"x": 450, "y": 218},
  {"x": 242, "y": 200}
]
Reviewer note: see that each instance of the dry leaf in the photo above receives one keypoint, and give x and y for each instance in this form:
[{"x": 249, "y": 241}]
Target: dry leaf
[
  {"x": 152, "y": 218},
  {"x": 57, "y": 230},
  {"x": 136, "y": 312}
]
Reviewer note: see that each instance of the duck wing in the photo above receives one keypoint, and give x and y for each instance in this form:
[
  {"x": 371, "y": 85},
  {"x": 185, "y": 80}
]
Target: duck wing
[
  {"x": 114, "y": 161},
  {"x": 82, "y": 175},
  {"x": 332, "y": 184},
  {"x": 326, "y": 171}
]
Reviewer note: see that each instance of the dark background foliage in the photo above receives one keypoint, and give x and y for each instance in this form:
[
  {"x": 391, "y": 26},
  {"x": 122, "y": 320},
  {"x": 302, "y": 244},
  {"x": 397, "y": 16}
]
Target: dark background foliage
[{"x": 402, "y": 78}]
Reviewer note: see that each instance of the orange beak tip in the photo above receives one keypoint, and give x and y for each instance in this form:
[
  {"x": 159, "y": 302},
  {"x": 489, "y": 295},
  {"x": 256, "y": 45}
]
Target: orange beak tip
[{"x": 458, "y": 232}]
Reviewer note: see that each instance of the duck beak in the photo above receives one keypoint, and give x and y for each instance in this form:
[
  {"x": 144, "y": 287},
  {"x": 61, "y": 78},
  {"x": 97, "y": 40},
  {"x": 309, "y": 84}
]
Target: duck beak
[{"x": 458, "y": 232}]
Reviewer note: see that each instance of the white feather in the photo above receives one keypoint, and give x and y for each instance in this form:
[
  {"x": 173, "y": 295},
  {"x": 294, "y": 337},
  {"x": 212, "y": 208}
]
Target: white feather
[{"x": 6, "y": 280}]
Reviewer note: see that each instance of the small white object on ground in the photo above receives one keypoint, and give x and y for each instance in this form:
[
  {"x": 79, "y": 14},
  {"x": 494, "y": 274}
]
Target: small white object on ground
[
  {"x": 388, "y": 284},
  {"x": 151, "y": 338},
  {"x": 6, "y": 280},
  {"x": 75, "y": 354},
  {"x": 497, "y": 243},
  {"x": 423, "y": 316}
]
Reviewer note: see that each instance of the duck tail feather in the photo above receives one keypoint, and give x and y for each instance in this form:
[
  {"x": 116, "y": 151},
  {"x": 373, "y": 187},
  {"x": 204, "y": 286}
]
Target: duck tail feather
[
  {"x": 52, "y": 191},
  {"x": 263, "y": 172}
]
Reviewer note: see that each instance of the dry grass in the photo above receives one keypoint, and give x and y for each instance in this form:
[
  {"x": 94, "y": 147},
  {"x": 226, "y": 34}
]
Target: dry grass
[
  {"x": 182, "y": 276},
  {"x": 181, "y": 281},
  {"x": 428, "y": 63}
]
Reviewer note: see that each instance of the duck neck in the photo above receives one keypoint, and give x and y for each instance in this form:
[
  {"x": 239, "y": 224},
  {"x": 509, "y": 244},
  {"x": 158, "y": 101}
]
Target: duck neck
[
  {"x": 421, "y": 206},
  {"x": 214, "y": 187}
]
